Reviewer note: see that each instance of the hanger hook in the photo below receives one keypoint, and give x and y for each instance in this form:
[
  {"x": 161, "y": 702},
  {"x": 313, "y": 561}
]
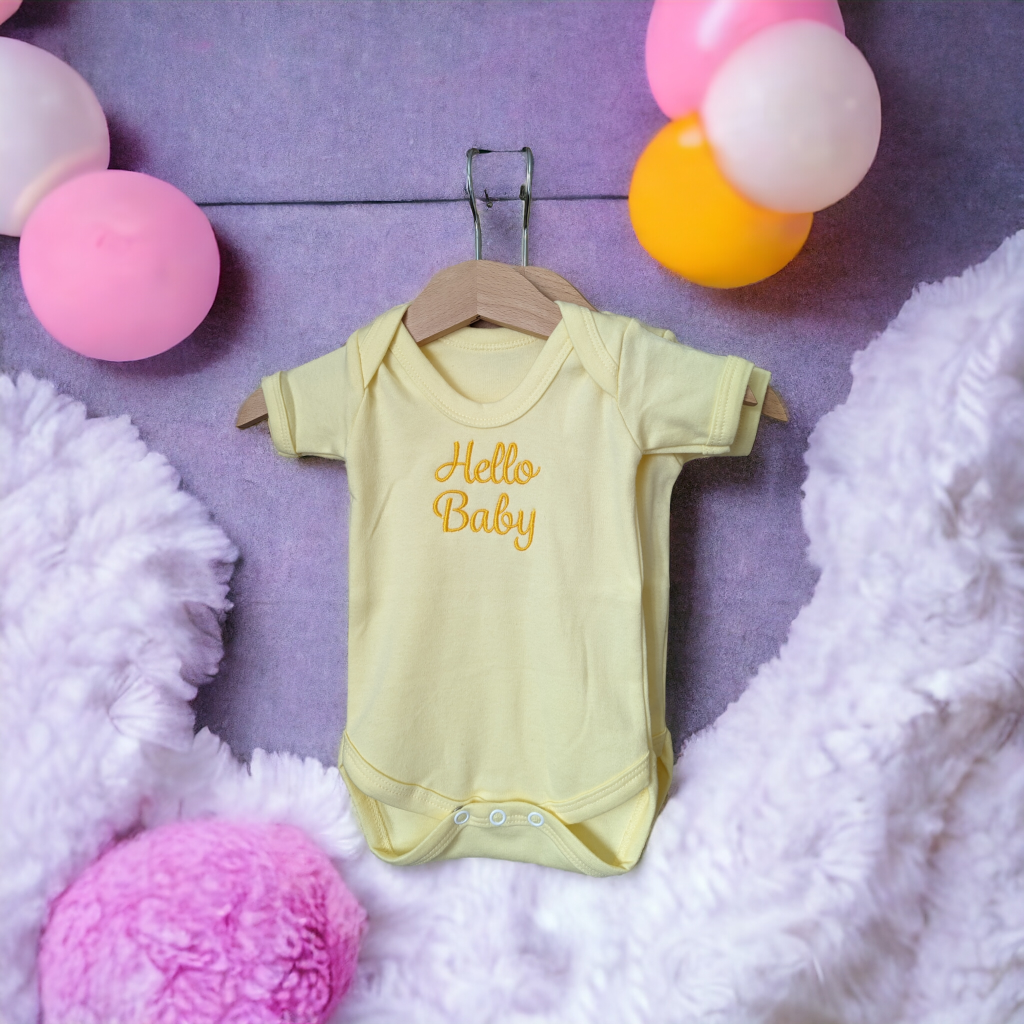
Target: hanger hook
[{"x": 525, "y": 196}]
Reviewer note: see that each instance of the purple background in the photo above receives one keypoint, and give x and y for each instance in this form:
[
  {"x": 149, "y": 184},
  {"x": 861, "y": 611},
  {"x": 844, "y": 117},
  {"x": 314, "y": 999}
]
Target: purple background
[{"x": 326, "y": 143}]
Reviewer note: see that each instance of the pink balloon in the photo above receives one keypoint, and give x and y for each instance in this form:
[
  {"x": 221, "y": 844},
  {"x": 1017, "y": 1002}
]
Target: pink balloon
[
  {"x": 118, "y": 265},
  {"x": 688, "y": 39},
  {"x": 8, "y": 7}
]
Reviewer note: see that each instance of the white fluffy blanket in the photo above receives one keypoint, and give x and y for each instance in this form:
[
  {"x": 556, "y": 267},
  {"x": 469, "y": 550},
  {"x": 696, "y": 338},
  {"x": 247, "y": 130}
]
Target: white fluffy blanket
[{"x": 845, "y": 844}]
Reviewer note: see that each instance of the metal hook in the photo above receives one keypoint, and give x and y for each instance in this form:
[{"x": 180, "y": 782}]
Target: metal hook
[{"x": 525, "y": 196}]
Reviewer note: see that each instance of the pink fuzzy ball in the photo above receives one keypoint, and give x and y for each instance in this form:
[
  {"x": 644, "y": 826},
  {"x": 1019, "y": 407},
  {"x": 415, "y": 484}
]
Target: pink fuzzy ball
[{"x": 198, "y": 922}]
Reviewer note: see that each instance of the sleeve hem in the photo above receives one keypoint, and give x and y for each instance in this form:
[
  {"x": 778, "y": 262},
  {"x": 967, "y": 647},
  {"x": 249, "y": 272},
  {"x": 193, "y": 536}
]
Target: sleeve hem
[
  {"x": 729, "y": 403},
  {"x": 277, "y": 416},
  {"x": 750, "y": 415}
]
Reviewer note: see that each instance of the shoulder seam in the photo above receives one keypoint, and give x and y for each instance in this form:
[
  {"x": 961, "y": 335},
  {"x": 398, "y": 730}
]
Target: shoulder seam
[
  {"x": 602, "y": 350},
  {"x": 610, "y": 367},
  {"x": 371, "y": 331}
]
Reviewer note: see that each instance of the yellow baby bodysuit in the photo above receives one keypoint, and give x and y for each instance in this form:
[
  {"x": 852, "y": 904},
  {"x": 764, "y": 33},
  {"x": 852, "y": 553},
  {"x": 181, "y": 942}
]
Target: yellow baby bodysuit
[{"x": 508, "y": 574}]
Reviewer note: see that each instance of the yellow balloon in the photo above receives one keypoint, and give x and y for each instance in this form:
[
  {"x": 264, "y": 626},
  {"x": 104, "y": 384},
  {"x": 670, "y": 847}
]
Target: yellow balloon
[{"x": 691, "y": 220}]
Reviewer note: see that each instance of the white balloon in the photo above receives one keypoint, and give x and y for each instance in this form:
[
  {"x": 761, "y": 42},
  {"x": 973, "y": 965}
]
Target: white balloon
[
  {"x": 52, "y": 129},
  {"x": 794, "y": 117}
]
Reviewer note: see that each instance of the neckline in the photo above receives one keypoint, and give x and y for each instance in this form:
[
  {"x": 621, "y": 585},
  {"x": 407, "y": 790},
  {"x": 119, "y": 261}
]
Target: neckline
[{"x": 458, "y": 407}]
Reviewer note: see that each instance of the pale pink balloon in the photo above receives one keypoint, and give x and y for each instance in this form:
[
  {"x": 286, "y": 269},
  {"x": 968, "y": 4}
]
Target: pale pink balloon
[
  {"x": 52, "y": 129},
  {"x": 118, "y": 265},
  {"x": 8, "y": 7},
  {"x": 688, "y": 39},
  {"x": 794, "y": 117}
]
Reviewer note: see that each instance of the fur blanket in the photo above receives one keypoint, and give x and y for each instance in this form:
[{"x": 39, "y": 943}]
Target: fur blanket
[{"x": 845, "y": 844}]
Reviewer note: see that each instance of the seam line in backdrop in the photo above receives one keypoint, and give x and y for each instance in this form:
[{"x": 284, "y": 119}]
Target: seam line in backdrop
[{"x": 387, "y": 202}]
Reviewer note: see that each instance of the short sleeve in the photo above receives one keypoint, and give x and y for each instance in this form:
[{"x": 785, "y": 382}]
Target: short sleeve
[
  {"x": 674, "y": 398},
  {"x": 311, "y": 407}
]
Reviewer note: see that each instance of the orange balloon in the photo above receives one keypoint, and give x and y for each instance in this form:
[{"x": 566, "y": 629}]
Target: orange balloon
[{"x": 691, "y": 220}]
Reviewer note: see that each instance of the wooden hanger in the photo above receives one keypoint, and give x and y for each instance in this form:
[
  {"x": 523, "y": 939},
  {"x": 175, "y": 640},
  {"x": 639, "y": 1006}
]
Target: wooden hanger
[
  {"x": 522, "y": 298},
  {"x": 480, "y": 290},
  {"x": 519, "y": 297},
  {"x": 463, "y": 294}
]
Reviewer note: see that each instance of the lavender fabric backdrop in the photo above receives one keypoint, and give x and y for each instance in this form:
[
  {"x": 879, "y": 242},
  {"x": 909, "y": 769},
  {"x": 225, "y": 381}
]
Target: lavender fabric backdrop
[{"x": 326, "y": 143}]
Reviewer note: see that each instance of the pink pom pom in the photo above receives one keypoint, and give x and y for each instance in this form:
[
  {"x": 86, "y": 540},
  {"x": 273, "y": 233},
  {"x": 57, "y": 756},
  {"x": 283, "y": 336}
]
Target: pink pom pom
[{"x": 198, "y": 922}]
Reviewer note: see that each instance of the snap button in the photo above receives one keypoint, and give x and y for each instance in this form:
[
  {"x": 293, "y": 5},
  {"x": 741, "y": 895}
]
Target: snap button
[
  {"x": 461, "y": 817},
  {"x": 497, "y": 816},
  {"x": 535, "y": 818}
]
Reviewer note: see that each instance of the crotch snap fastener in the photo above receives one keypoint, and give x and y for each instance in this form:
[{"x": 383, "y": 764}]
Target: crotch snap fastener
[
  {"x": 461, "y": 817},
  {"x": 497, "y": 817},
  {"x": 535, "y": 818}
]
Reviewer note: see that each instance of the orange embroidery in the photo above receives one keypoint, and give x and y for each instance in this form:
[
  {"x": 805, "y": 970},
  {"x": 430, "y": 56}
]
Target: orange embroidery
[
  {"x": 503, "y": 467},
  {"x": 526, "y": 467},
  {"x": 446, "y": 515},
  {"x": 500, "y": 468},
  {"x": 478, "y": 521},
  {"x": 453, "y": 503},
  {"x": 528, "y": 532}
]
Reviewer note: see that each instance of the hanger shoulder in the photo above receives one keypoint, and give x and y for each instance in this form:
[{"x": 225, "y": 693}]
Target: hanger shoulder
[
  {"x": 447, "y": 303},
  {"x": 479, "y": 290},
  {"x": 252, "y": 411},
  {"x": 554, "y": 286},
  {"x": 774, "y": 407},
  {"x": 507, "y": 298}
]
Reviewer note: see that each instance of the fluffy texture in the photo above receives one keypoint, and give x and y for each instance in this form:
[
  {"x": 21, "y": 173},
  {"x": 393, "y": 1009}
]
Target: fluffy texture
[
  {"x": 202, "y": 922},
  {"x": 846, "y": 843},
  {"x": 112, "y": 585},
  {"x": 300, "y": 275}
]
